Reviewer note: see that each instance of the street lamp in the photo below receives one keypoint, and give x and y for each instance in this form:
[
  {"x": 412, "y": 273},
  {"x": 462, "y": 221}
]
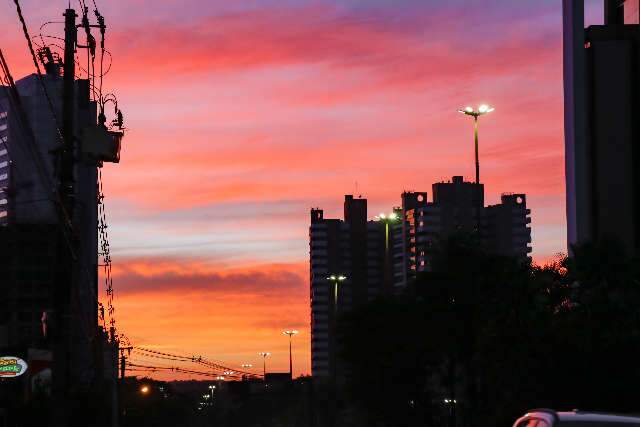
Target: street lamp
[
  {"x": 386, "y": 219},
  {"x": 291, "y": 334},
  {"x": 264, "y": 355},
  {"x": 246, "y": 365},
  {"x": 335, "y": 279},
  {"x": 144, "y": 389},
  {"x": 481, "y": 111}
]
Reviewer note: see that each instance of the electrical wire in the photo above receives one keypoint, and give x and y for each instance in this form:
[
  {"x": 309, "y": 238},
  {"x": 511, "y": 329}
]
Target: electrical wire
[
  {"x": 172, "y": 369},
  {"x": 67, "y": 221},
  {"x": 23, "y": 122},
  {"x": 196, "y": 359},
  {"x": 35, "y": 62}
]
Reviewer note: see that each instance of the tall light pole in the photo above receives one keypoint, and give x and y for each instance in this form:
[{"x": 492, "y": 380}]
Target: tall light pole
[
  {"x": 336, "y": 279},
  {"x": 481, "y": 111},
  {"x": 291, "y": 334},
  {"x": 264, "y": 355},
  {"x": 387, "y": 219},
  {"x": 245, "y": 366}
]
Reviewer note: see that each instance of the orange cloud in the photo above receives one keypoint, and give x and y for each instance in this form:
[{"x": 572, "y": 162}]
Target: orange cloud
[{"x": 228, "y": 315}]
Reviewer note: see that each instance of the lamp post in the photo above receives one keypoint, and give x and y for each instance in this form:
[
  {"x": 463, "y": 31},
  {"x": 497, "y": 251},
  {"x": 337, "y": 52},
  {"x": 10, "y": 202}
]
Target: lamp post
[
  {"x": 387, "y": 219},
  {"x": 481, "y": 111},
  {"x": 245, "y": 366},
  {"x": 335, "y": 279},
  {"x": 291, "y": 334},
  {"x": 264, "y": 355}
]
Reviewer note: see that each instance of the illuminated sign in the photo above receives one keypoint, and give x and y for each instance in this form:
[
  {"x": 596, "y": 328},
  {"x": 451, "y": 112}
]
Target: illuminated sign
[{"x": 12, "y": 366}]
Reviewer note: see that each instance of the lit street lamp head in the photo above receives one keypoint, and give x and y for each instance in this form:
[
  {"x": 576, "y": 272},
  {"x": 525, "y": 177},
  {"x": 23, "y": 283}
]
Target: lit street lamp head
[
  {"x": 290, "y": 333},
  {"x": 387, "y": 217},
  {"x": 335, "y": 278},
  {"x": 264, "y": 354},
  {"x": 482, "y": 110}
]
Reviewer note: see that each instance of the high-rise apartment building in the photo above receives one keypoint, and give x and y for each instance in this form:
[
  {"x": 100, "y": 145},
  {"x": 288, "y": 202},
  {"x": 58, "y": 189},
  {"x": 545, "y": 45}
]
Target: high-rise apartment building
[
  {"x": 602, "y": 129},
  {"x": 30, "y": 224},
  {"x": 354, "y": 248},
  {"x": 4, "y": 164},
  {"x": 383, "y": 256},
  {"x": 459, "y": 206}
]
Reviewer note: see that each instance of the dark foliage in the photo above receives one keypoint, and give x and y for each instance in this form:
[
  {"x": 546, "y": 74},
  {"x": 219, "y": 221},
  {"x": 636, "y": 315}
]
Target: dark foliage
[{"x": 499, "y": 337}]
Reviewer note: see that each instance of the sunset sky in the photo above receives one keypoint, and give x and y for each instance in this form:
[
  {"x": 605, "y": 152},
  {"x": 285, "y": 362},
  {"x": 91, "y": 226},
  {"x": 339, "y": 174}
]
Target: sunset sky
[{"x": 242, "y": 115}]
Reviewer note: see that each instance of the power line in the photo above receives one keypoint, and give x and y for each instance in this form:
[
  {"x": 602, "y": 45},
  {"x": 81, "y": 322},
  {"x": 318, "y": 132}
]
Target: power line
[
  {"x": 32, "y": 149},
  {"x": 64, "y": 213},
  {"x": 196, "y": 359},
  {"x": 35, "y": 62},
  {"x": 172, "y": 369}
]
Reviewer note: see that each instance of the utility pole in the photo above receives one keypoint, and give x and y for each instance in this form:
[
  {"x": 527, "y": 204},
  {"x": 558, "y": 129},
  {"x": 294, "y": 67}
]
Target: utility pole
[
  {"x": 123, "y": 360},
  {"x": 68, "y": 100},
  {"x": 123, "y": 364},
  {"x": 62, "y": 351}
]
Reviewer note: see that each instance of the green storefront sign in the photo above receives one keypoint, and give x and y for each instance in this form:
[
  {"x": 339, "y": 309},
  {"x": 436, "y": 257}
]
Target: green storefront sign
[{"x": 11, "y": 366}]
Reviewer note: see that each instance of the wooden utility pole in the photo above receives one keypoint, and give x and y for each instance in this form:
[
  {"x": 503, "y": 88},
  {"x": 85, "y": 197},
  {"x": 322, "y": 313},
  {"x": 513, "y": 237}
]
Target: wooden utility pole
[
  {"x": 62, "y": 351},
  {"x": 123, "y": 361}
]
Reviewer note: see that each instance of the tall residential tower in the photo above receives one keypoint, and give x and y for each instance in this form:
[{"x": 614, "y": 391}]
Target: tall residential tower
[{"x": 602, "y": 123}]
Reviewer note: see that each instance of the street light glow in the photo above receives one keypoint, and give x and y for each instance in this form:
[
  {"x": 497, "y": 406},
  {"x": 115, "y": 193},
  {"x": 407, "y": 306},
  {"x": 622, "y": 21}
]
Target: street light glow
[
  {"x": 144, "y": 389},
  {"x": 386, "y": 217},
  {"x": 482, "y": 109},
  {"x": 290, "y": 332},
  {"x": 342, "y": 278}
]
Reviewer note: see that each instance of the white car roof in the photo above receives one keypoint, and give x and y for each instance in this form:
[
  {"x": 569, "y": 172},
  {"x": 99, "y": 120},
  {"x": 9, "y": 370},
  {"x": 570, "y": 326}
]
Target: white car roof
[{"x": 595, "y": 417}]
